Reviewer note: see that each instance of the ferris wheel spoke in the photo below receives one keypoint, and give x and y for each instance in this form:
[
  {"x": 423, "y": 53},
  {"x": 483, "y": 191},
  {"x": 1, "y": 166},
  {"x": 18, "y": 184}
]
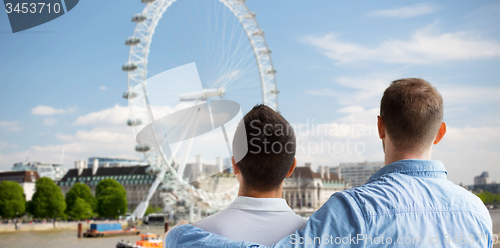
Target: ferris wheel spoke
[
  {"x": 241, "y": 86},
  {"x": 232, "y": 58}
]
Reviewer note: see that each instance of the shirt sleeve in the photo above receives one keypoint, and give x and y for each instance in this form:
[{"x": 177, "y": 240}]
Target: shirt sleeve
[
  {"x": 337, "y": 223},
  {"x": 187, "y": 236}
]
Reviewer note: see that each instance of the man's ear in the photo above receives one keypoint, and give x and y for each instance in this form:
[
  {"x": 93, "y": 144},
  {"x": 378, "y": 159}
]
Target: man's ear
[
  {"x": 381, "y": 127},
  {"x": 441, "y": 132},
  {"x": 292, "y": 168},
  {"x": 236, "y": 169}
]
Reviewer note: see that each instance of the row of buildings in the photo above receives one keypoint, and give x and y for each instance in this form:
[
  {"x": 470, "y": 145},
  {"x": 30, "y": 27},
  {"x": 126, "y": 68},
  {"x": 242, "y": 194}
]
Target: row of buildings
[
  {"x": 482, "y": 183},
  {"x": 132, "y": 177},
  {"x": 305, "y": 190}
]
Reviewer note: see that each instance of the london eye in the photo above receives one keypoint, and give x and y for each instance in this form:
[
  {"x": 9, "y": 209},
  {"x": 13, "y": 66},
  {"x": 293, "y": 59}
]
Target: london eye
[{"x": 224, "y": 41}]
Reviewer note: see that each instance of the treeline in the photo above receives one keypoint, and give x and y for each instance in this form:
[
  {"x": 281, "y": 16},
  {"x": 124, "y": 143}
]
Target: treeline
[
  {"x": 110, "y": 200},
  {"x": 489, "y": 198}
]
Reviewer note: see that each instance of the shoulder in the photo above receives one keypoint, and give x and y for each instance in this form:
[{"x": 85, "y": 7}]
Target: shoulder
[
  {"x": 342, "y": 205},
  {"x": 475, "y": 204},
  {"x": 339, "y": 217},
  {"x": 213, "y": 221},
  {"x": 297, "y": 220}
]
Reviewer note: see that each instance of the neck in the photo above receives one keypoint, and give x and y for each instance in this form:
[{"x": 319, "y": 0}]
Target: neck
[
  {"x": 244, "y": 191},
  {"x": 392, "y": 155}
]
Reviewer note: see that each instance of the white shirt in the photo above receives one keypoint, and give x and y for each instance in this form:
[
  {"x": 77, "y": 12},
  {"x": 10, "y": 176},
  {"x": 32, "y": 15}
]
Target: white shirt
[{"x": 260, "y": 220}]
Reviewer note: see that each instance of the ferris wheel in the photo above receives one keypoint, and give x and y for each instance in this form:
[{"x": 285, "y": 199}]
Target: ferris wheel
[{"x": 233, "y": 61}]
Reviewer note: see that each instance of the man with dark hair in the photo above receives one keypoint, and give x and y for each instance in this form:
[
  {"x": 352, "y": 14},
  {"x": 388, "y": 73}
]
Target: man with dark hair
[
  {"x": 265, "y": 157},
  {"x": 409, "y": 202}
]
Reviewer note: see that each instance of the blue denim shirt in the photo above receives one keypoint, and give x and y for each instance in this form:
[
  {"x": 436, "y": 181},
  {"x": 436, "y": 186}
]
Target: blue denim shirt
[{"x": 408, "y": 203}]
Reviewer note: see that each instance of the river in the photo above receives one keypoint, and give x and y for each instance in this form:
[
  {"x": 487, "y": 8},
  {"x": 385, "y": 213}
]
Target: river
[
  {"x": 63, "y": 239},
  {"x": 68, "y": 239}
]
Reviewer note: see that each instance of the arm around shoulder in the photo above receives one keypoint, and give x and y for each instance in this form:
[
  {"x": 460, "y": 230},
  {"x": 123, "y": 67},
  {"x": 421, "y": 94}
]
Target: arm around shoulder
[
  {"x": 340, "y": 217},
  {"x": 188, "y": 236}
]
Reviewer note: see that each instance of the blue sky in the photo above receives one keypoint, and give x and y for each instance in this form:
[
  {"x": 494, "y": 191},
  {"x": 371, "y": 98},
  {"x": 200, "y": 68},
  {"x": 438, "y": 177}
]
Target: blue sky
[{"x": 61, "y": 81}]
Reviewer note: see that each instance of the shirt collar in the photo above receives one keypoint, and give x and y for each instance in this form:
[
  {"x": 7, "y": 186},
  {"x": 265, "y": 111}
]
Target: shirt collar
[
  {"x": 260, "y": 204},
  {"x": 413, "y": 167}
]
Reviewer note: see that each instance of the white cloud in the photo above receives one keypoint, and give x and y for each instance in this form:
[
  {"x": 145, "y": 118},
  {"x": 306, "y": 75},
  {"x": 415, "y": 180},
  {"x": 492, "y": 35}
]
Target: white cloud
[
  {"x": 458, "y": 95},
  {"x": 109, "y": 137},
  {"x": 64, "y": 137},
  {"x": 367, "y": 90},
  {"x": 103, "y": 88},
  {"x": 426, "y": 46},
  {"x": 44, "y": 132},
  {"x": 7, "y": 145},
  {"x": 364, "y": 90},
  {"x": 465, "y": 152},
  {"x": 47, "y": 110},
  {"x": 228, "y": 77},
  {"x": 72, "y": 151},
  {"x": 10, "y": 126},
  {"x": 415, "y": 10},
  {"x": 116, "y": 135},
  {"x": 352, "y": 138},
  {"x": 116, "y": 115},
  {"x": 49, "y": 121}
]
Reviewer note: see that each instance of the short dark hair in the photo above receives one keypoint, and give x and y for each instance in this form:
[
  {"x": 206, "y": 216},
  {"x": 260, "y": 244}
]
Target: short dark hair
[
  {"x": 271, "y": 148},
  {"x": 412, "y": 111}
]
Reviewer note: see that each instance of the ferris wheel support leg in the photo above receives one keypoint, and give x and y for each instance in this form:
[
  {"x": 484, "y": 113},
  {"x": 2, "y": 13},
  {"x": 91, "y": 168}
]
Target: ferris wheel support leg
[
  {"x": 171, "y": 216},
  {"x": 191, "y": 212},
  {"x": 141, "y": 209},
  {"x": 227, "y": 141}
]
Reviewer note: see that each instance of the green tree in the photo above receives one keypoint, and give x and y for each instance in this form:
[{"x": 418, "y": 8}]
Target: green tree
[
  {"x": 12, "y": 201},
  {"x": 81, "y": 209},
  {"x": 111, "y": 198},
  {"x": 82, "y": 191},
  {"x": 48, "y": 201},
  {"x": 29, "y": 208},
  {"x": 486, "y": 196},
  {"x": 152, "y": 210}
]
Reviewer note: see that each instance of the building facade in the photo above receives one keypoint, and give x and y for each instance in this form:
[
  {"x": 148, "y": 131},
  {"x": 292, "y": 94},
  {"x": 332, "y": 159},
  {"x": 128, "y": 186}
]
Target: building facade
[
  {"x": 356, "y": 174},
  {"x": 198, "y": 170},
  {"x": 52, "y": 171},
  {"x": 134, "y": 179},
  {"x": 482, "y": 183},
  {"x": 482, "y": 179},
  {"x": 305, "y": 191},
  {"x": 115, "y": 162},
  {"x": 26, "y": 179}
]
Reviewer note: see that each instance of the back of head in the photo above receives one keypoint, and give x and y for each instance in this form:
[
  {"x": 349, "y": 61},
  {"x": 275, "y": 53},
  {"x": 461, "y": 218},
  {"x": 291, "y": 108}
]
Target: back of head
[
  {"x": 412, "y": 111},
  {"x": 271, "y": 149}
]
